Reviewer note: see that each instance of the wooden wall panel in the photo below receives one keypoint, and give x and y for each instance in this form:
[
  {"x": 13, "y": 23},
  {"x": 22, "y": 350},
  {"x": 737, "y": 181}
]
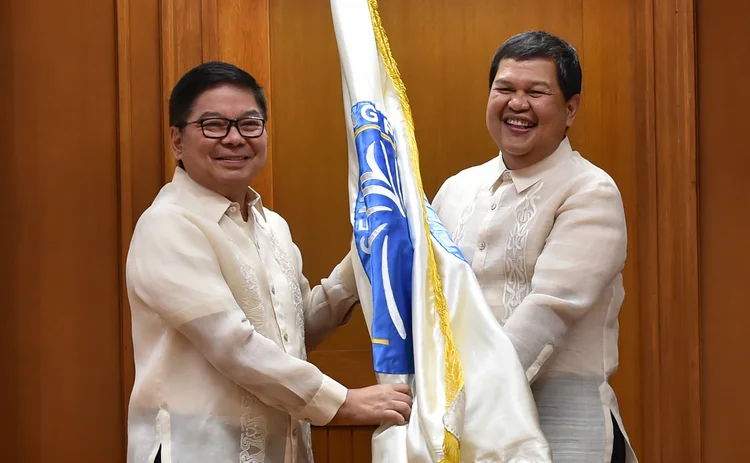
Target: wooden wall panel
[
  {"x": 723, "y": 40},
  {"x": 679, "y": 411},
  {"x": 338, "y": 444},
  {"x": 362, "y": 444},
  {"x": 10, "y": 236},
  {"x": 62, "y": 387},
  {"x": 320, "y": 444}
]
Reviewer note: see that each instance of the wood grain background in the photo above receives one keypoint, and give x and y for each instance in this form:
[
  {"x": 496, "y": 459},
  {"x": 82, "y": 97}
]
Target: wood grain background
[{"x": 85, "y": 90}]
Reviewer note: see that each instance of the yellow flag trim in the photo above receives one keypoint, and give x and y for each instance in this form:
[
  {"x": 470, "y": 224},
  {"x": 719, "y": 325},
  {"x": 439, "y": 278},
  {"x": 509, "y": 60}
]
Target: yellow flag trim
[{"x": 454, "y": 377}]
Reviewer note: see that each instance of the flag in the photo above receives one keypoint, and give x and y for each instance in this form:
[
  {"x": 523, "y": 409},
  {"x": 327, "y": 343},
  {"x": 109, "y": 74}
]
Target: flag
[{"x": 429, "y": 322}]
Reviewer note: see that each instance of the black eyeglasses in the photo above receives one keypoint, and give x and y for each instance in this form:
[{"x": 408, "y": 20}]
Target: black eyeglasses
[{"x": 219, "y": 127}]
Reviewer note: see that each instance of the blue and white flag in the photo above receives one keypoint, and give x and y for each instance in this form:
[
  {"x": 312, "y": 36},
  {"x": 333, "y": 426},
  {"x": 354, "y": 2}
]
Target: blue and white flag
[{"x": 429, "y": 322}]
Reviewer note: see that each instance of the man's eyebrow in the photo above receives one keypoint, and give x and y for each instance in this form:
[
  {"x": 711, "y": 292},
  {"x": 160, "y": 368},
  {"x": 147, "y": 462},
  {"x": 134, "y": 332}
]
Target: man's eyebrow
[
  {"x": 207, "y": 114},
  {"x": 210, "y": 114},
  {"x": 541, "y": 83},
  {"x": 535, "y": 83}
]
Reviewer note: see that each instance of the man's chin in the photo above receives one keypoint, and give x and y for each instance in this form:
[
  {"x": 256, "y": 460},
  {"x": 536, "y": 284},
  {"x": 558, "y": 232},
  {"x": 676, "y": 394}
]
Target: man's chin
[{"x": 515, "y": 151}]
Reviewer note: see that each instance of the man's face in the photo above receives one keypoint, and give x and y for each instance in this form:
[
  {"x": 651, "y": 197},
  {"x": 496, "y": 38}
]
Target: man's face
[
  {"x": 527, "y": 114},
  {"x": 225, "y": 165}
]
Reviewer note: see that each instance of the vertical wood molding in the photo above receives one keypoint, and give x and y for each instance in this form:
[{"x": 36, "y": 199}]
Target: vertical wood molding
[
  {"x": 648, "y": 233},
  {"x": 209, "y": 30},
  {"x": 674, "y": 87},
  {"x": 182, "y": 49},
  {"x": 169, "y": 77},
  {"x": 139, "y": 144},
  {"x": 125, "y": 155}
]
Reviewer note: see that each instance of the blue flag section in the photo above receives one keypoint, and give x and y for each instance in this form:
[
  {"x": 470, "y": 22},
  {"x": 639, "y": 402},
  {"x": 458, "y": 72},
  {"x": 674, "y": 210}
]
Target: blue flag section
[{"x": 381, "y": 231}]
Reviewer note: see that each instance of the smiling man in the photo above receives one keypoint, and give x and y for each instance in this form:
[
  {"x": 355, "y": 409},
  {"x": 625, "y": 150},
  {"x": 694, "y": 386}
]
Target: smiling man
[
  {"x": 221, "y": 312},
  {"x": 544, "y": 231}
]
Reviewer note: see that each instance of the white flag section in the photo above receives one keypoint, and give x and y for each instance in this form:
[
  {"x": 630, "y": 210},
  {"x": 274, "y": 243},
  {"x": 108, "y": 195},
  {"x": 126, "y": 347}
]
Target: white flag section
[{"x": 429, "y": 322}]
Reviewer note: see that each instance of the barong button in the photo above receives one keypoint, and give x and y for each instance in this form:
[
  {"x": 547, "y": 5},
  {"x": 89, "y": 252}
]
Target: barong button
[
  {"x": 286, "y": 337},
  {"x": 493, "y": 207},
  {"x": 273, "y": 290},
  {"x": 482, "y": 246}
]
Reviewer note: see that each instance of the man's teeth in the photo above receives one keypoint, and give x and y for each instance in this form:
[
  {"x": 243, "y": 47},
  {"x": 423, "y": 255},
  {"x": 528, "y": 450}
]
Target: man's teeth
[{"x": 518, "y": 122}]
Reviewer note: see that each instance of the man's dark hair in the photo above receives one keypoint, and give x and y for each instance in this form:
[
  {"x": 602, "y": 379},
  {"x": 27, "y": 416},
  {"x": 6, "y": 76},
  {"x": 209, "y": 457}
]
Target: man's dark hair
[
  {"x": 539, "y": 44},
  {"x": 205, "y": 77}
]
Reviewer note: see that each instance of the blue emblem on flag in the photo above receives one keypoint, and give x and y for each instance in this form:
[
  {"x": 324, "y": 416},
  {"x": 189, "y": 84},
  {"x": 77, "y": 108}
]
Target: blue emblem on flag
[{"x": 381, "y": 231}]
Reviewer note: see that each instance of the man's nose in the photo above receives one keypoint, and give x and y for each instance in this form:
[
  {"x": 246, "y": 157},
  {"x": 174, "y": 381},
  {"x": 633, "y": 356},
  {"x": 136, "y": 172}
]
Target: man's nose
[
  {"x": 233, "y": 137},
  {"x": 519, "y": 102}
]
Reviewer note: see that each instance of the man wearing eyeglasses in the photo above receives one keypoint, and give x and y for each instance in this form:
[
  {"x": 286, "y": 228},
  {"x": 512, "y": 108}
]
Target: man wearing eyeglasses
[{"x": 222, "y": 314}]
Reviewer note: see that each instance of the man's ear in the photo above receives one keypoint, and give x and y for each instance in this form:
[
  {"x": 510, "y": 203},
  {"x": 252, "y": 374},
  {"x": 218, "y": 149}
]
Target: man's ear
[
  {"x": 175, "y": 136},
  {"x": 572, "y": 106}
]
